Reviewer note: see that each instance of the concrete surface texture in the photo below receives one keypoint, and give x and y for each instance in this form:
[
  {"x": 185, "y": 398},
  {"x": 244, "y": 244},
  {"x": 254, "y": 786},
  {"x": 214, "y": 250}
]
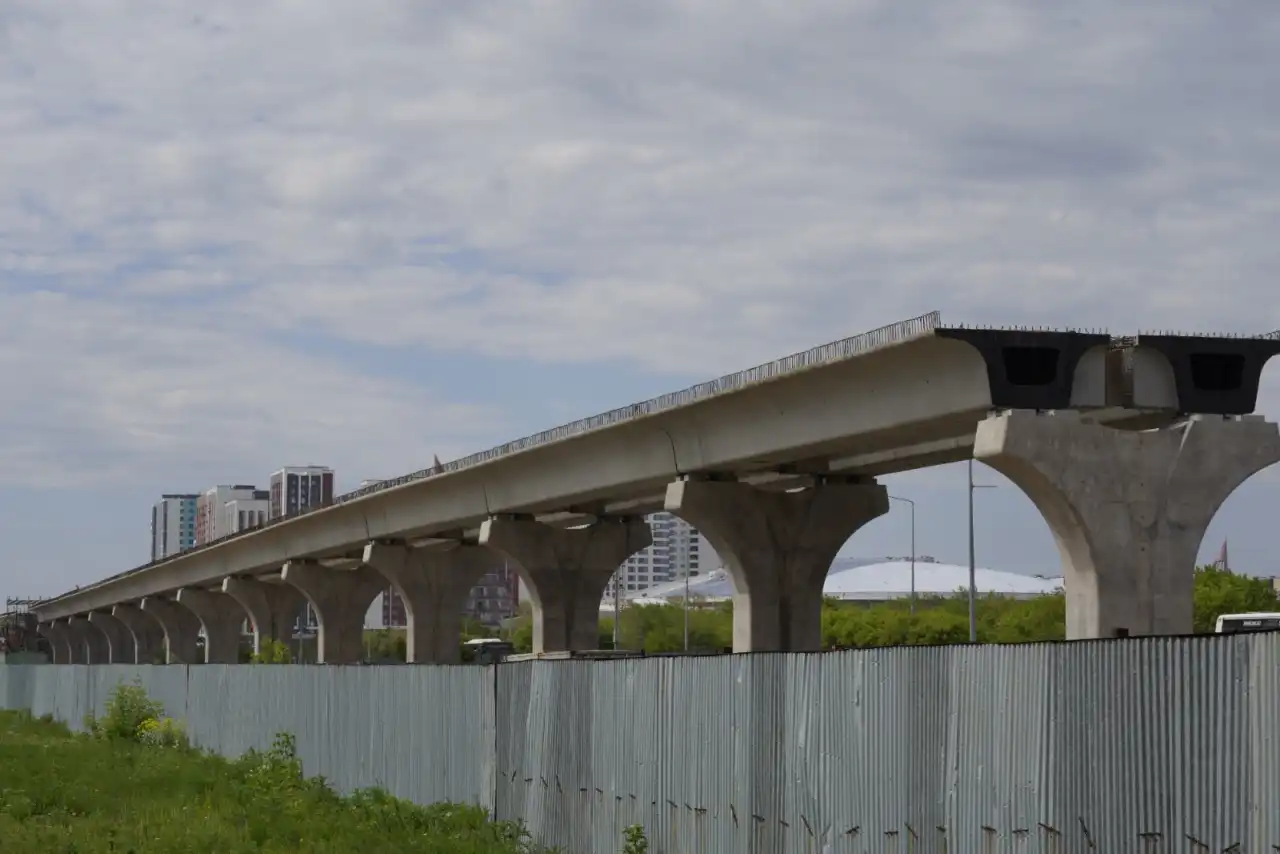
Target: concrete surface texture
[
  {"x": 341, "y": 599},
  {"x": 566, "y": 572},
  {"x": 88, "y": 645},
  {"x": 272, "y": 609},
  {"x": 1128, "y": 510},
  {"x": 434, "y": 586},
  {"x": 777, "y": 547},
  {"x": 1127, "y": 507},
  {"x": 120, "y": 645},
  {"x": 148, "y": 636},
  {"x": 221, "y": 617},
  {"x": 59, "y": 640},
  {"x": 181, "y": 630}
]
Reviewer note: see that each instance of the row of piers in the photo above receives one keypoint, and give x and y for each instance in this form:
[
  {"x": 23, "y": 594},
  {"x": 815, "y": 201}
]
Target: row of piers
[{"x": 1128, "y": 510}]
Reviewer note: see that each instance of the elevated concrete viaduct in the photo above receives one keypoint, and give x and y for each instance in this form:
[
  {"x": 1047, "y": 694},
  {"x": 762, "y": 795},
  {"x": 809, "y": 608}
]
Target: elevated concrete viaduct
[{"x": 776, "y": 466}]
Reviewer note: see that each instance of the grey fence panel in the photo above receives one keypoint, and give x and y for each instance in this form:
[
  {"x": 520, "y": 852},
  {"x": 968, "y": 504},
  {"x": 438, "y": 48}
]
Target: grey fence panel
[
  {"x": 1263, "y": 687},
  {"x": 422, "y": 733},
  {"x": 1153, "y": 744}
]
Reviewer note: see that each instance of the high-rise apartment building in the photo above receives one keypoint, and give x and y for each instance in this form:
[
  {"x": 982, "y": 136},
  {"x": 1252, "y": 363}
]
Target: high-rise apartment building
[
  {"x": 298, "y": 488},
  {"x": 173, "y": 525},
  {"x": 211, "y": 509},
  {"x": 245, "y": 513},
  {"x": 678, "y": 550}
]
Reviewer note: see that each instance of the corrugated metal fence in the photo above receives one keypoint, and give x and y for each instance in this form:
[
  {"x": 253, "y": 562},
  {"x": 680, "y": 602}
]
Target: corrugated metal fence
[{"x": 1135, "y": 745}]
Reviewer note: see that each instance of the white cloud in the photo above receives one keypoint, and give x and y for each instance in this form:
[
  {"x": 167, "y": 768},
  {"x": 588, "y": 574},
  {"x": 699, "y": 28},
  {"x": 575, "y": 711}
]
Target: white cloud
[
  {"x": 109, "y": 395},
  {"x": 687, "y": 187}
]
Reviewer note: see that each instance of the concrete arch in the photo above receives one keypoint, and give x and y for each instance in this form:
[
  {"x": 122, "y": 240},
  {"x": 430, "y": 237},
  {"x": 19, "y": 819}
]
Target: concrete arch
[
  {"x": 565, "y": 571},
  {"x": 1128, "y": 510},
  {"x": 340, "y": 597}
]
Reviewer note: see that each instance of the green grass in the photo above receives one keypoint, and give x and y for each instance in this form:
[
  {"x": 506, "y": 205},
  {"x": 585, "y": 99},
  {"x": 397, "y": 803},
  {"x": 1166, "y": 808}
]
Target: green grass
[{"x": 62, "y": 793}]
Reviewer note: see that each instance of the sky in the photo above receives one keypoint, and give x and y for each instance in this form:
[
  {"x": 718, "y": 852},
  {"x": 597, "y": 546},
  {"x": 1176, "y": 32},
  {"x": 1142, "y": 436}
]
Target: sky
[{"x": 364, "y": 234}]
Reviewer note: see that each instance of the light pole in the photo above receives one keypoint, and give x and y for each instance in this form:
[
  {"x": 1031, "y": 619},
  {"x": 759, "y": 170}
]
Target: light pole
[
  {"x": 912, "y": 505},
  {"x": 973, "y": 624},
  {"x": 617, "y": 605},
  {"x": 686, "y": 609}
]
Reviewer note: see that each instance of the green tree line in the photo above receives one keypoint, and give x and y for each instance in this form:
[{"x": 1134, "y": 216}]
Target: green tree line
[{"x": 937, "y": 620}]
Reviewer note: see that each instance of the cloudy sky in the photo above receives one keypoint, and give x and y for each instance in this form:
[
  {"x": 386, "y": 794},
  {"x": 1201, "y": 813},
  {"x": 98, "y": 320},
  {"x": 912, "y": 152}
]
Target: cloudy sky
[{"x": 364, "y": 233}]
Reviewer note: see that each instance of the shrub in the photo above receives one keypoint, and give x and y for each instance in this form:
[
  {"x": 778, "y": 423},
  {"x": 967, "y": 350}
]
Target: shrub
[
  {"x": 634, "y": 841},
  {"x": 272, "y": 651},
  {"x": 128, "y": 709}
]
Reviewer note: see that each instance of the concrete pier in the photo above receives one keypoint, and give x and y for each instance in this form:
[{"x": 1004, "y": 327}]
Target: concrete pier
[
  {"x": 341, "y": 598},
  {"x": 1128, "y": 509},
  {"x": 777, "y": 547},
  {"x": 434, "y": 586},
  {"x": 181, "y": 629},
  {"x": 273, "y": 609},
  {"x": 566, "y": 571},
  {"x": 148, "y": 636}
]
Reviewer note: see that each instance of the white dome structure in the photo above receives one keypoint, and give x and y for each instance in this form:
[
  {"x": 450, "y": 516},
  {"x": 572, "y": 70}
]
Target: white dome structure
[{"x": 868, "y": 580}]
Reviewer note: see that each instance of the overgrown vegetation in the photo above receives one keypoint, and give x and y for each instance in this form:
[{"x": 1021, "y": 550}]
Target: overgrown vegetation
[
  {"x": 131, "y": 784},
  {"x": 938, "y": 619}
]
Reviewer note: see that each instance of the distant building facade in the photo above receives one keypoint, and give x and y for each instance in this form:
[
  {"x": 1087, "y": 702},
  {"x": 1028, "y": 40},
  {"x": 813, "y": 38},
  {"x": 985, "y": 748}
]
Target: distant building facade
[
  {"x": 211, "y": 507},
  {"x": 678, "y": 550},
  {"x": 245, "y": 513},
  {"x": 173, "y": 525},
  {"x": 294, "y": 489}
]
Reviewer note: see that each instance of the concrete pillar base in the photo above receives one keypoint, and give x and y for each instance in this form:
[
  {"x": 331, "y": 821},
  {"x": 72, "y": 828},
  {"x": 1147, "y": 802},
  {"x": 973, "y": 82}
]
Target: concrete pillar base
[
  {"x": 181, "y": 630},
  {"x": 59, "y": 641},
  {"x": 148, "y": 637},
  {"x": 341, "y": 599},
  {"x": 566, "y": 572},
  {"x": 120, "y": 647},
  {"x": 273, "y": 609},
  {"x": 1128, "y": 510},
  {"x": 222, "y": 618},
  {"x": 778, "y": 548},
  {"x": 434, "y": 586}
]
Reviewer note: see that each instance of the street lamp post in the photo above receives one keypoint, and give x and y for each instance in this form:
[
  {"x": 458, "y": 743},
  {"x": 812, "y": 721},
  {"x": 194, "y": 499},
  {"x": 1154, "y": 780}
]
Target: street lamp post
[
  {"x": 912, "y": 505},
  {"x": 617, "y": 604},
  {"x": 973, "y": 623},
  {"x": 686, "y": 609}
]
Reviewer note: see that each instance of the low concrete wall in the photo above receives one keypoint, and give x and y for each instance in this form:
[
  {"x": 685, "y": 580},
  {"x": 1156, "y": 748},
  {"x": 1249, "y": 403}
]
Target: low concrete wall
[{"x": 1089, "y": 746}]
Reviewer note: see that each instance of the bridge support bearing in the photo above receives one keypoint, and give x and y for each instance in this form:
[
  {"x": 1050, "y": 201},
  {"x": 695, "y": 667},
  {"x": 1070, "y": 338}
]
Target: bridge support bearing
[
  {"x": 566, "y": 571},
  {"x": 148, "y": 637},
  {"x": 1127, "y": 509},
  {"x": 273, "y": 609},
  {"x": 88, "y": 645},
  {"x": 222, "y": 618},
  {"x": 59, "y": 641},
  {"x": 778, "y": 548},
  {"x": 434, "y": 587},
  {"x": 181, "y": 630},
  {"x": 120, "y": 647},
  {"x": 341, "y": 599}
]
